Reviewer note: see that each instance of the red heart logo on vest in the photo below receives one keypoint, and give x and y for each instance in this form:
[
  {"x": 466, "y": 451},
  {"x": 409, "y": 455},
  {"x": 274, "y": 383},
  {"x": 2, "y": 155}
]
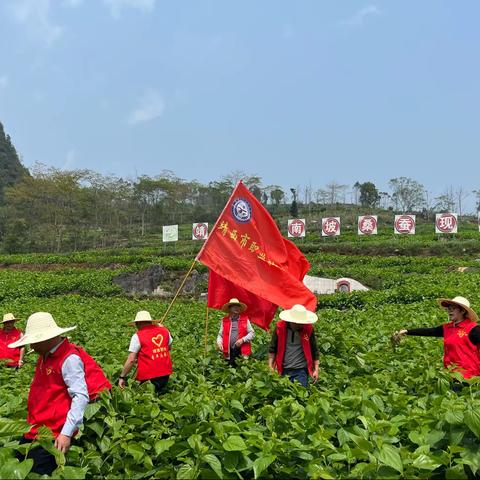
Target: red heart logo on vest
[{"x": 158, "y": 340}]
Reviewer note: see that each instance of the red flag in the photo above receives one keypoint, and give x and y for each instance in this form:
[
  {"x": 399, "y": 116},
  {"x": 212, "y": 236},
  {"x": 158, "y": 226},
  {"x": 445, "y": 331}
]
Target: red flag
[
  {"x": 220, "y": 291},
  {"x": 246, "y": 248}
]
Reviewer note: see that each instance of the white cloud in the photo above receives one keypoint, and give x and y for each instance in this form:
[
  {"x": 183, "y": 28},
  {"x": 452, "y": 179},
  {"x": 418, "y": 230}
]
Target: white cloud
[
  {"x": 35, "y": 16},
  {"x": 151, "y": 106},
  {"x": 3, "y": 82},
  {"x": 359, "y": 17},
  {"x": 116, "y": 6}
]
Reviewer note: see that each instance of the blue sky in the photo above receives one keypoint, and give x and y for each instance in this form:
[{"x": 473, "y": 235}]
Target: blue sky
[{"x": 298, "y": 92}]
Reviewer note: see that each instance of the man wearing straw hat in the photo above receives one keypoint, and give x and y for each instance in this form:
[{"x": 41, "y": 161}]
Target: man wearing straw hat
[
  {"x": 150, "y": 346},
  {"x": 236, "y": 332},
  {"x": 293, "y": 349},
  {"x": 66, "y": 378},
  {"x": 10, "y": 334},
  {"x": 461, "y": 337}
]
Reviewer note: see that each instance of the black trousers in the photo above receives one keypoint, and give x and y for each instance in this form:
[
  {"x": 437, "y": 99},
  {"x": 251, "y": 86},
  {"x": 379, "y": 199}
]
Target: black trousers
[
  {"x": 234, "y": 354},
  {"x": 43, "y": 462},
  {"x": 159, "y": 383}
]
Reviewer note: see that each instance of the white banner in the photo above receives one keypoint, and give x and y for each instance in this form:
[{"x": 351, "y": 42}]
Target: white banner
[
  {"x": 446, "y": 223},
  {"x": 296, "y": 227},
  {"x": 404, "y": 225},
  {"x": 200, "y": 231},
  {"x": 170, "y": 233},
  {"x": 367, "y": 225},
  {"x": 330, "y": 226}
]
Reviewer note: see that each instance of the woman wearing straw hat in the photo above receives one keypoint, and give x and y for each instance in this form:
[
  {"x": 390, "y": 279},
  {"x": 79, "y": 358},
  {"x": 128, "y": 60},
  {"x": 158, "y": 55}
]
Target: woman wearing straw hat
[
  {"x": 10, "y": 334},
  {"x": 150, "y": 346},
  {"x": 65, "y": 379},
  {"x": 461, "y": 336},
  {"x": 236, "y": 332},
  {"x": 293, "y": 349}
]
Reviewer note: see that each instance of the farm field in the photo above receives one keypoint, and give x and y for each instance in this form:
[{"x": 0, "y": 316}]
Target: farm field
[{"x": 376, "y": 411}]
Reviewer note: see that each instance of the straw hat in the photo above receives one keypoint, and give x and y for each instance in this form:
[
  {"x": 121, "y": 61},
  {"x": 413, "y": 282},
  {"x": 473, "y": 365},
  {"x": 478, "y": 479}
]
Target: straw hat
[
  {"x": 461, "y": 302},
  {"x": 142, "y": 316},
  {"x": 40, "y": 327},
  {"x": 299, "y": 314},
  {"x": 234, "y": 301},
  {"x": 9, "y": 317}
]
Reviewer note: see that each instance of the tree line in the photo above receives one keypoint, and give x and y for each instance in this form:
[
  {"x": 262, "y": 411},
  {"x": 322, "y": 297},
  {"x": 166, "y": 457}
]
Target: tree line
[{"x": 50, "y": 209}]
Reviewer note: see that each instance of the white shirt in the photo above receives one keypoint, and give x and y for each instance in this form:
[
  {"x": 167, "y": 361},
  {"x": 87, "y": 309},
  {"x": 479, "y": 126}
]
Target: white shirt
[{"x": 73, "y": 374}]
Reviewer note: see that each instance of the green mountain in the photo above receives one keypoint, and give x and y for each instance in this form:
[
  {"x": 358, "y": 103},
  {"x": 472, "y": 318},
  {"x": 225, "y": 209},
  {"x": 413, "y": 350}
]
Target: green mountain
[{"x": 11, "y": 170}]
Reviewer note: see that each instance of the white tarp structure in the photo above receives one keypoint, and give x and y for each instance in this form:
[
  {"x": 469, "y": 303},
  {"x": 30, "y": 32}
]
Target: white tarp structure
[{"x": 324, "y": 286}]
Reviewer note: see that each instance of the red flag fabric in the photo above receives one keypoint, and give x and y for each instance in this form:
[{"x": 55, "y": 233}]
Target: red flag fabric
[
  {"x": 246, "y": 248},
  {"x": 220, "y": 291}
]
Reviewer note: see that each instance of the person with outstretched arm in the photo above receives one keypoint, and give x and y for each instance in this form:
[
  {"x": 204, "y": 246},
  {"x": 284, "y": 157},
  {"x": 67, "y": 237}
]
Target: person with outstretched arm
[{"x": 461, "y": 337}]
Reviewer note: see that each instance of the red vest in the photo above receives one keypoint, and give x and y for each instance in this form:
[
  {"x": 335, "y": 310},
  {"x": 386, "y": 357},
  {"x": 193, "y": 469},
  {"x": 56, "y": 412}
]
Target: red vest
[
  {"x": 48, "y": 400},
  {"x": 12, "y": 353},
  {"x": 245, "y": 348},
  {"x": 305, "y": 332},
  {"x": 154, "y": 355},
  {"x": 459, "y": 351}
]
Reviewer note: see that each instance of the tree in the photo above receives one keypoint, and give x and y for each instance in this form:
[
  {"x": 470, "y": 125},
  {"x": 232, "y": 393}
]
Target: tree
[
  {"x": 293, "y": 206},
  {"x": 446, "y": 201},
  {"x": 407, "y": 194},
  {"x": 356, "y": 189},
  {"x": 369, "y": 196},
  {"x": 277, "y": 195},
  {"x": 335, "y": 191}
]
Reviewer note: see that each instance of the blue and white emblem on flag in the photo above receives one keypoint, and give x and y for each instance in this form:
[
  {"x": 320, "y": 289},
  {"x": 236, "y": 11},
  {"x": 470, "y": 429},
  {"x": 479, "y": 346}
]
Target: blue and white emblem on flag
[{"x": 241, "y": 210}]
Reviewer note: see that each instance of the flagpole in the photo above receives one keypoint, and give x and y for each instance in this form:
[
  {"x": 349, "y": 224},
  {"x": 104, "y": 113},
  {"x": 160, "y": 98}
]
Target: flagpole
[
  {"x": 206, "y": 331},
  {"x": 178, "y": 291}
]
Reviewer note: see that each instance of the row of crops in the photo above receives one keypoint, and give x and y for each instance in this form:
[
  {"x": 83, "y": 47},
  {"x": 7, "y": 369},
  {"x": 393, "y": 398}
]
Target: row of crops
[{"x": 376, "y": 411}]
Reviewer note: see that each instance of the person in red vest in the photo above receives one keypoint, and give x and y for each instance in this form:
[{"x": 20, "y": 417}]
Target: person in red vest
[
  {"x": 66, "y": 378},
  {"x": 150, "y": 348},
  {"x": 236, "y": 332},
  {"x": 461, "y": 337},
  {"x": 293, "y": 350},
  {"x": 10, "y": 334}
]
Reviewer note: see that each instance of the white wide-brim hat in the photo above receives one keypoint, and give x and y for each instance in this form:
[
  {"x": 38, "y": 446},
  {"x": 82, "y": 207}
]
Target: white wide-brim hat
[
  {"x": 142, "y": 316},
  {"x": 40, "y": 327},
  {"x": 299, "y": 314},
  {"x": 9, "y": 317},
  {"x": 234, "y": 301},
  {"x": 461, "y": 302}
]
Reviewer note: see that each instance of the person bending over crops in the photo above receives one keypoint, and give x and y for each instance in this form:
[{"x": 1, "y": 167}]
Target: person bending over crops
[
  {"x": 10, "y": 334},
  {"x": 66, "y": 378},
  {"x": 293, "y": 349},
  {"x": 150, "y": 348},
  {"x": 236, "y": 332},
  {"x": 461, "y": 337}
]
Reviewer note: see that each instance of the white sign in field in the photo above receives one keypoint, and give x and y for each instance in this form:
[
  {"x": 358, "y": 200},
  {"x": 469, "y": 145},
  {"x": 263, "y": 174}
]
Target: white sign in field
[
  {"x": 170, "y": 233},
  {"x": 446, "y": 223},
  {"x": 296, "y": 227},
  {"x": 404, "y": 225},
  {"x": 367, "y": 225},
  {"x": 330, "y": 226},
  {"x": 200, "y": 231}
]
